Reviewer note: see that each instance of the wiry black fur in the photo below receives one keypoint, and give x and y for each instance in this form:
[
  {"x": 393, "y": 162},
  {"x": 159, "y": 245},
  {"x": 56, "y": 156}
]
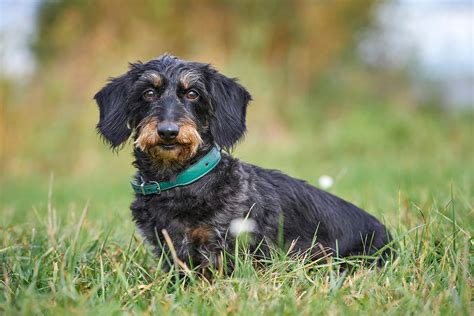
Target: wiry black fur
[{"x": 234, "y": 188}]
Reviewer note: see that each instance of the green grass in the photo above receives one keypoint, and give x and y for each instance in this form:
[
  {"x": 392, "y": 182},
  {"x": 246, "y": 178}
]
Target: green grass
[{"x": 68, "y": 245}]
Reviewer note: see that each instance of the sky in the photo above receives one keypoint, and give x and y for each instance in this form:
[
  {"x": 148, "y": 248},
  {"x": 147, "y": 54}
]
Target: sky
[
  {"x": 17, "y": 25},
  {"x": 439, "y": 35},
  {"x": 434, "y": 40}
]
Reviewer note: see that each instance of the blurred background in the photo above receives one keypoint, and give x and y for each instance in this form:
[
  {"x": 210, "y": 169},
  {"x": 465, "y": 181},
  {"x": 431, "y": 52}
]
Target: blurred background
[{"x": 377, "y": 95}]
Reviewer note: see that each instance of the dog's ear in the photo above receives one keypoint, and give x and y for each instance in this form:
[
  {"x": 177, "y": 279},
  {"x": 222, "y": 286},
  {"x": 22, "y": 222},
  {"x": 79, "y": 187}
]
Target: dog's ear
[
  {"x": 113, "y": 108},
  {"x": 229, "y": 103}
]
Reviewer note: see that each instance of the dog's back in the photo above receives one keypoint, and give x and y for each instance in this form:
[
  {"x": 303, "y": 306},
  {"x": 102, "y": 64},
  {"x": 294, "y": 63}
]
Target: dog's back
[{"x": 312, "y": 215}]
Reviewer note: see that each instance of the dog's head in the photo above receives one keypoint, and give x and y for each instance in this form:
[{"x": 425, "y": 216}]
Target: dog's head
[{"x": 171, "y": 108}]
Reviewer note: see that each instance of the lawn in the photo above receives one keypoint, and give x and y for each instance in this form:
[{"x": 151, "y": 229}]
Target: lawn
[{"x": 68, "y": 244}]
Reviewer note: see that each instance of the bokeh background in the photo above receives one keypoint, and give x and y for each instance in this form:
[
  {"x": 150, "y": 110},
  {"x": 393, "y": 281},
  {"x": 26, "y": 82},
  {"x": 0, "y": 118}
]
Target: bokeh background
[{"x": 378, "y": 95}]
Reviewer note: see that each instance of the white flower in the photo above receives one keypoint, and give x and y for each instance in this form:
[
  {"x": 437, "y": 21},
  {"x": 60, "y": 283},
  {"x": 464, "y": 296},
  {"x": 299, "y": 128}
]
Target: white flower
[
  {"x": 325, "y": 182},
  {"x": 241, "y": 225}
]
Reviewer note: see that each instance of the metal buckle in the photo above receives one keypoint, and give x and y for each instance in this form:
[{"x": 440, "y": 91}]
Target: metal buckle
[
  {"x": 158, "y": 188},
  {"x": 142, "y": 187}
]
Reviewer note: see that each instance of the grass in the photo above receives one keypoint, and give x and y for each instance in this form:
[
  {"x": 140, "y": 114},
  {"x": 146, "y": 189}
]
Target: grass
[{"x": 68, "y": 245}]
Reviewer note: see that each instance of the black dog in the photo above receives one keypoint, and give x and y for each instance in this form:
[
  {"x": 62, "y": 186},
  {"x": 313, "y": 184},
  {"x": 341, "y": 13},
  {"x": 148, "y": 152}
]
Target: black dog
[{"x": 180, "y": 115}]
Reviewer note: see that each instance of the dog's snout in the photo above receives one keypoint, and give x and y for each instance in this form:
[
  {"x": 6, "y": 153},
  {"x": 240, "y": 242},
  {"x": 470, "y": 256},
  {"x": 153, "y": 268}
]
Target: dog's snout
[{"x": 168, "y": 130}]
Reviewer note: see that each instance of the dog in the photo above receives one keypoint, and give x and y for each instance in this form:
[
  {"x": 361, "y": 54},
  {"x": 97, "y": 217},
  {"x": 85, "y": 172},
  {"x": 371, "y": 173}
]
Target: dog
[{"x": 184, "y": 118}]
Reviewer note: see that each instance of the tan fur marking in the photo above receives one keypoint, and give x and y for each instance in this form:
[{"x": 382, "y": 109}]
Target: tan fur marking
[
  {"x": 148, "y": 136},
  {"x": 188, "y": 79},
  {"x": 154, "y": 77},
  {"x": 200, "y": 235}
]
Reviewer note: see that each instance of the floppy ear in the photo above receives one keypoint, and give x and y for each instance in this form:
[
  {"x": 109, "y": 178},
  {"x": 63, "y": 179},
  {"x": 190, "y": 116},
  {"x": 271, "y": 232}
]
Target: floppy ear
[
  {"x": 113, "y": 108},
  {"x": 229, "y": 101}
]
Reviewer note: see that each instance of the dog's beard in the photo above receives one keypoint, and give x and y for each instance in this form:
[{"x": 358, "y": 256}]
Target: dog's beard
[{"x": 186, "y": 143}]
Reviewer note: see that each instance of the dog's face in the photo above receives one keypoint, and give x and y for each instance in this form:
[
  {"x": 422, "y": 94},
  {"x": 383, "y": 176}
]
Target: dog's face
[{"x": 172, "y": 108}]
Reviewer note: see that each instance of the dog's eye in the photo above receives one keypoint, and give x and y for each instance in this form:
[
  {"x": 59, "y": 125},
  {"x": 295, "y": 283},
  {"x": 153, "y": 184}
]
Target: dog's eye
[
  {"x": 149, "y": 95},
  {"x": 192, "y": 95}
]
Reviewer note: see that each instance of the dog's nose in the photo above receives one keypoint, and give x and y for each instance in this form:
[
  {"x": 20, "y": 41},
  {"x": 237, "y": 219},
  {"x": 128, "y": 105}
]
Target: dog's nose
[{"x": 168, "y": 131}]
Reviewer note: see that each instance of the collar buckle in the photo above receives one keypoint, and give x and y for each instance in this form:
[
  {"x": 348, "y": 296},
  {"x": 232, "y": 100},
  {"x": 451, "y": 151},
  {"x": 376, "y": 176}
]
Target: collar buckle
[
  {"x": 142, "y": 188},
  {"x": 145, "y": 188},
  {"x": 158, "y": 188}
]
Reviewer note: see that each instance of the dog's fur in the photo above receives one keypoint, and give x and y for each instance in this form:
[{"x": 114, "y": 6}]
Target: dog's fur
[{"x": 197, "y": 216}]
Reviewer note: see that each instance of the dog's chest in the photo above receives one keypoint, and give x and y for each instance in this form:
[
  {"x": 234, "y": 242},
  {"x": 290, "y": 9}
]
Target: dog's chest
[
  {"x": 185, "y": 205},
  {"x": 189, "y": 219}
]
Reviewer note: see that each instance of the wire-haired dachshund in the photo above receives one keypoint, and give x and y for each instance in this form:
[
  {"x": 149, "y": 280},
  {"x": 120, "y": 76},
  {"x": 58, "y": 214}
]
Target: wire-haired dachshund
[{"x": 184, "y": 117}]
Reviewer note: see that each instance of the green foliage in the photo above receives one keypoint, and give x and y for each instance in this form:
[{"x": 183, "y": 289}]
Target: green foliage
[{"x": 300, "y": 37}]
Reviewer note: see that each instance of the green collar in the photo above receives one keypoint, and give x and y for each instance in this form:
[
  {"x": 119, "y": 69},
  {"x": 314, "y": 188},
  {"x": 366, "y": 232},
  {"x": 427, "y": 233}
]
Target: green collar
[{"x": 188, "y": 176}]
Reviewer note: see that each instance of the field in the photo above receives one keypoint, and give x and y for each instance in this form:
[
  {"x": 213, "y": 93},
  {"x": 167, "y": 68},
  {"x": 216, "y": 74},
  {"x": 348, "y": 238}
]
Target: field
[
  {"x": 69, "y": 245},
  {"x": 383, "y": 132}
]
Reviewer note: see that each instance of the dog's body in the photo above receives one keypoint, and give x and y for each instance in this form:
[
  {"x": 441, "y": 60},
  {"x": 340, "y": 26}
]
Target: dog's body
[{"x": 177, "y": 111}]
